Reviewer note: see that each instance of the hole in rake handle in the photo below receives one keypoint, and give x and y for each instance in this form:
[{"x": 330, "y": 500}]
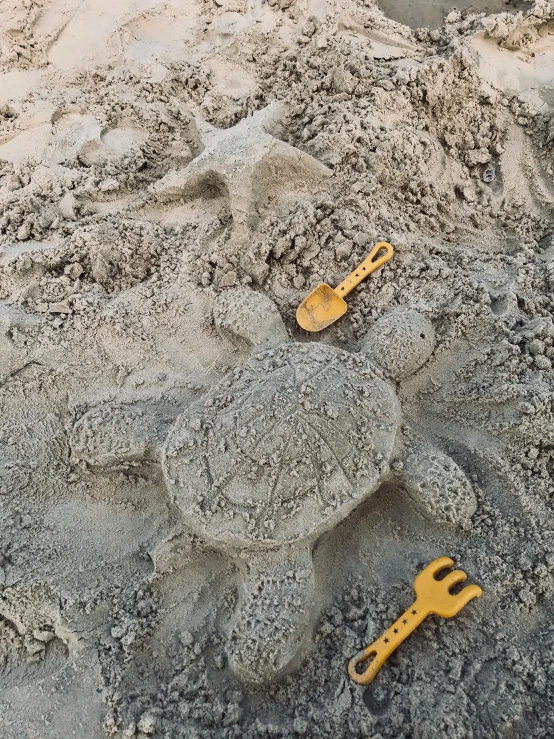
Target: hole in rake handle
[{"x": 361, "y": 666}]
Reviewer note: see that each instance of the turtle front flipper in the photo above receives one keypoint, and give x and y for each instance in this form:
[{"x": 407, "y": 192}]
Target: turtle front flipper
[
  {"x": 113, "y": 435},
  {"x": 250, "y": 315},
  {"x": 436, "y": 484},
  {"x": 274, "y": 613}
]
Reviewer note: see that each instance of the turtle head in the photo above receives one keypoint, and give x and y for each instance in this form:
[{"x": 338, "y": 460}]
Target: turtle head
[
  {"x": 400, "y": 342},
  {"x": 250, "y": 315}
]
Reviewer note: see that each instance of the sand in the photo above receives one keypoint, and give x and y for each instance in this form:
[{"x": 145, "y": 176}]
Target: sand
[{"x": 184, "y": 550}]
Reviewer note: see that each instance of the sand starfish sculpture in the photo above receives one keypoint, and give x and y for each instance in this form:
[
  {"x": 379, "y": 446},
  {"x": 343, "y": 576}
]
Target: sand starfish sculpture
[{"x": 247, "y": 163}]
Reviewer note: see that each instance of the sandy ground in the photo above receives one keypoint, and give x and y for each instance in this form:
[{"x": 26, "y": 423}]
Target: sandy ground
[
  {"x": 431, "y": 13},
  {"x": 206, "y": 511}
]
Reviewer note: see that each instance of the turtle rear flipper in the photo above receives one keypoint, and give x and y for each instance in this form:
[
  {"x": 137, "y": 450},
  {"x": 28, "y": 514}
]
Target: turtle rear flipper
[
  {"x": 272, "y": 619},
  {"x": 437, "y": 485}
]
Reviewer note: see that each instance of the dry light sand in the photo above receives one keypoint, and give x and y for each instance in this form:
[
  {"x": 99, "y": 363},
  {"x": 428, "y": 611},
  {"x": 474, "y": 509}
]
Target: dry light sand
[{"x": 204, "y": 510}]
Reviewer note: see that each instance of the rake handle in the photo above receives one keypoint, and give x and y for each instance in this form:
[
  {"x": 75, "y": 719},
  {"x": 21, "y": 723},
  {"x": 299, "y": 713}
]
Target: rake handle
[
  {"x": 432, "y": 596},
  {"x": 369, "y": 265},
  {"x": 381, "y": 649}
]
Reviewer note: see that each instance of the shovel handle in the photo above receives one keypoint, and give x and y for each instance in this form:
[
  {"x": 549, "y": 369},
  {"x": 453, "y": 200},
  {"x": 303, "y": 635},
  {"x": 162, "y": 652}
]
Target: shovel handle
[{"x": 369, "y": 265}]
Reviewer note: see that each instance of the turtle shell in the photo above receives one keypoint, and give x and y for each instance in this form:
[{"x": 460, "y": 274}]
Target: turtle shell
[{"x": 283, "y": 448}]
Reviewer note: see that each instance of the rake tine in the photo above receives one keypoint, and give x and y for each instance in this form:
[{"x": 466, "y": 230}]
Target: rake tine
[
  {"x": 468, "y": 593},
  {"x": 428, "y": 574},
  {"x": 437, "y": 565},
  {"x": 453, "y": 578}
]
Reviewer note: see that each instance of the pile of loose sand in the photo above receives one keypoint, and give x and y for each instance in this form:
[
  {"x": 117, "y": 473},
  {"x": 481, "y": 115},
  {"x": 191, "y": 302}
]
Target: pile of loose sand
[{"x": 155, "y": 155}]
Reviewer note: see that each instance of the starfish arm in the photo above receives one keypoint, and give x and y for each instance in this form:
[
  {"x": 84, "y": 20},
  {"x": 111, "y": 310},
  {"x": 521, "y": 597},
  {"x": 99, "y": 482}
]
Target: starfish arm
[{"x": 187, "y": 182}]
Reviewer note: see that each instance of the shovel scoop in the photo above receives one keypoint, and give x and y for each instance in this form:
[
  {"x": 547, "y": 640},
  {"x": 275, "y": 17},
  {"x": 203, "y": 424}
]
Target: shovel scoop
[{"x": 324, "y": 304}]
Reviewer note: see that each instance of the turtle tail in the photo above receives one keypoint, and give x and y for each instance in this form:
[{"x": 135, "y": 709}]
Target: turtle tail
[{"x": 273, "y": 617}]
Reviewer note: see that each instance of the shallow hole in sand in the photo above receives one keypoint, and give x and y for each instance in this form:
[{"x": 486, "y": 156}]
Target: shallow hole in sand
[{"x": 373, "y": 701}]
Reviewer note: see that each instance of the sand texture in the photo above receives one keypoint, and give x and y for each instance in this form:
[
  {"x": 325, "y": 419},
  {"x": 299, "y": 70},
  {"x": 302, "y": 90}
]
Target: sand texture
[{"x": 206, "y": 511}]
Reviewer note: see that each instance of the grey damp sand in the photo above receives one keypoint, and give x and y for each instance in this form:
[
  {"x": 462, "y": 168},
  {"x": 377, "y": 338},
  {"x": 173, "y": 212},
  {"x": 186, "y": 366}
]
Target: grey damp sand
[{"x": 159, "y": 159}]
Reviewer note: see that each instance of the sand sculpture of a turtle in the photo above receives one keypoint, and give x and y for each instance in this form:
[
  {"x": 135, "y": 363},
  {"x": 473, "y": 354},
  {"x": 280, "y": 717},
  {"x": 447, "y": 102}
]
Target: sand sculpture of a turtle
[{"x": 280, "y": 451}]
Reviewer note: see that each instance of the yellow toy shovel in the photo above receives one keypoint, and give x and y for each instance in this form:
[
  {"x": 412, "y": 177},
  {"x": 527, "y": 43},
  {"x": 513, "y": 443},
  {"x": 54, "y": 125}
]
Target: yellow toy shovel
[
  {"x": 432, "y": 596},
  {"x": 324, "y": 305}
]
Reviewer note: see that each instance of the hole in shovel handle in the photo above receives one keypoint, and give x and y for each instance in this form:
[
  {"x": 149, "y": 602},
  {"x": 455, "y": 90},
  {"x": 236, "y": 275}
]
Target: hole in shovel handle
[
  {"x": 380, "y": 250},
  {"x": 379, "y": 255}
]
